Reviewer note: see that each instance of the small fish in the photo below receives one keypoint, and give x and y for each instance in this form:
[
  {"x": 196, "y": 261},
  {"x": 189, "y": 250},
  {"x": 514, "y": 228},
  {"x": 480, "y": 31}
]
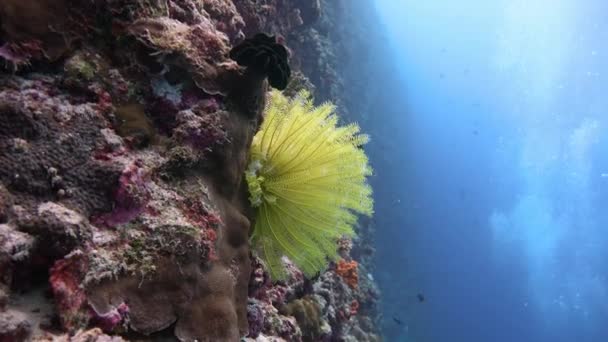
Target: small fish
[
  {"x": 420, "y": 297},
  {"x": 398, "y": 321}
]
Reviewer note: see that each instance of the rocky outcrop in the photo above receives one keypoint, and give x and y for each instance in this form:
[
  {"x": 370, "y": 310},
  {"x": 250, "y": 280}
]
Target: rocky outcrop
[
  {"x": 124, "y": 135},
  {"x": 89, "y": 142}
]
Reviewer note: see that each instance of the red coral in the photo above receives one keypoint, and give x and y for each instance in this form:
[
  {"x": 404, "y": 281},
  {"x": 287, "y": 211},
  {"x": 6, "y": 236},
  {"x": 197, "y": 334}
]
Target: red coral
[
  {"x": 208, "y": 221},
  {"x": 354, "y": 307},
  {"x": 196, "y": 212},
  {"x": 65, "y": 279},
  {"x": 210, "y": 234},
  {"x": 348, "y": 271},
  {"x": 104, "y": 100}
]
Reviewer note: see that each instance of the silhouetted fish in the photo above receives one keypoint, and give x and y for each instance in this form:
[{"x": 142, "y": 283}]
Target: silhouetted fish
[
  {"x": 264, "y": 55},
  {"x": 420, "y": 297},
  {"x": 398, "y": 321}
]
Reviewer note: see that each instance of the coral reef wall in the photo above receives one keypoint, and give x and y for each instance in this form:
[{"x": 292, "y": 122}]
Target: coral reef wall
[{"x": 124, "y": 136}]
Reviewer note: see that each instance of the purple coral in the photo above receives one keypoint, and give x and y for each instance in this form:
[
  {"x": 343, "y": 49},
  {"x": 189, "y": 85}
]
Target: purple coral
[
  {"x": 199, "y": 129},
  {"x": 130, "y": 197},
  {"x": 259, "y": 281},
  {"x": 255, "y": 317},
  {"x": 164, "y": 110},
  {"x": 19, "y": 54},
  {"x": 191, "y": 98},
  {"x": 289, "y": 330},
  {"x": 110, "y": 320}
]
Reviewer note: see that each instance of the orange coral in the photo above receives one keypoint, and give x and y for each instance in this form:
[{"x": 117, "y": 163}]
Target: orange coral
[{"x": 349, "y": 272}]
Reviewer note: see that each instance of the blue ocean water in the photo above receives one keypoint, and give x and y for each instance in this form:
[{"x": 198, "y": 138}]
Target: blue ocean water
[{"x": 491, "y": 153}]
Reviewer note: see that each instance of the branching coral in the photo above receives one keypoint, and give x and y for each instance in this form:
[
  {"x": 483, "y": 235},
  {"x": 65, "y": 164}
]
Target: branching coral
[{"x": 307, "y": 178}]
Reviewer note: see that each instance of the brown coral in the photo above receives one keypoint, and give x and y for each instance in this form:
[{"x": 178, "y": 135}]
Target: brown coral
[
  {"x": 39, "y": 160},
  {"x": 308, "y": 315},
  {"x": 348, "y": 271}
]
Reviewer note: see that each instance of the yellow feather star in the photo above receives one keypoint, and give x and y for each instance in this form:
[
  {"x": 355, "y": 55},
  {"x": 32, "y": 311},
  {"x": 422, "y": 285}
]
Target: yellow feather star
[{"x": 307, "y": 178}]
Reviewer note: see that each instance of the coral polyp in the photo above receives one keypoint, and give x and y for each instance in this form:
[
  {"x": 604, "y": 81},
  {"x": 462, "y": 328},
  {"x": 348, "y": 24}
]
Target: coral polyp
[{"x": 307, "y": 178}]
